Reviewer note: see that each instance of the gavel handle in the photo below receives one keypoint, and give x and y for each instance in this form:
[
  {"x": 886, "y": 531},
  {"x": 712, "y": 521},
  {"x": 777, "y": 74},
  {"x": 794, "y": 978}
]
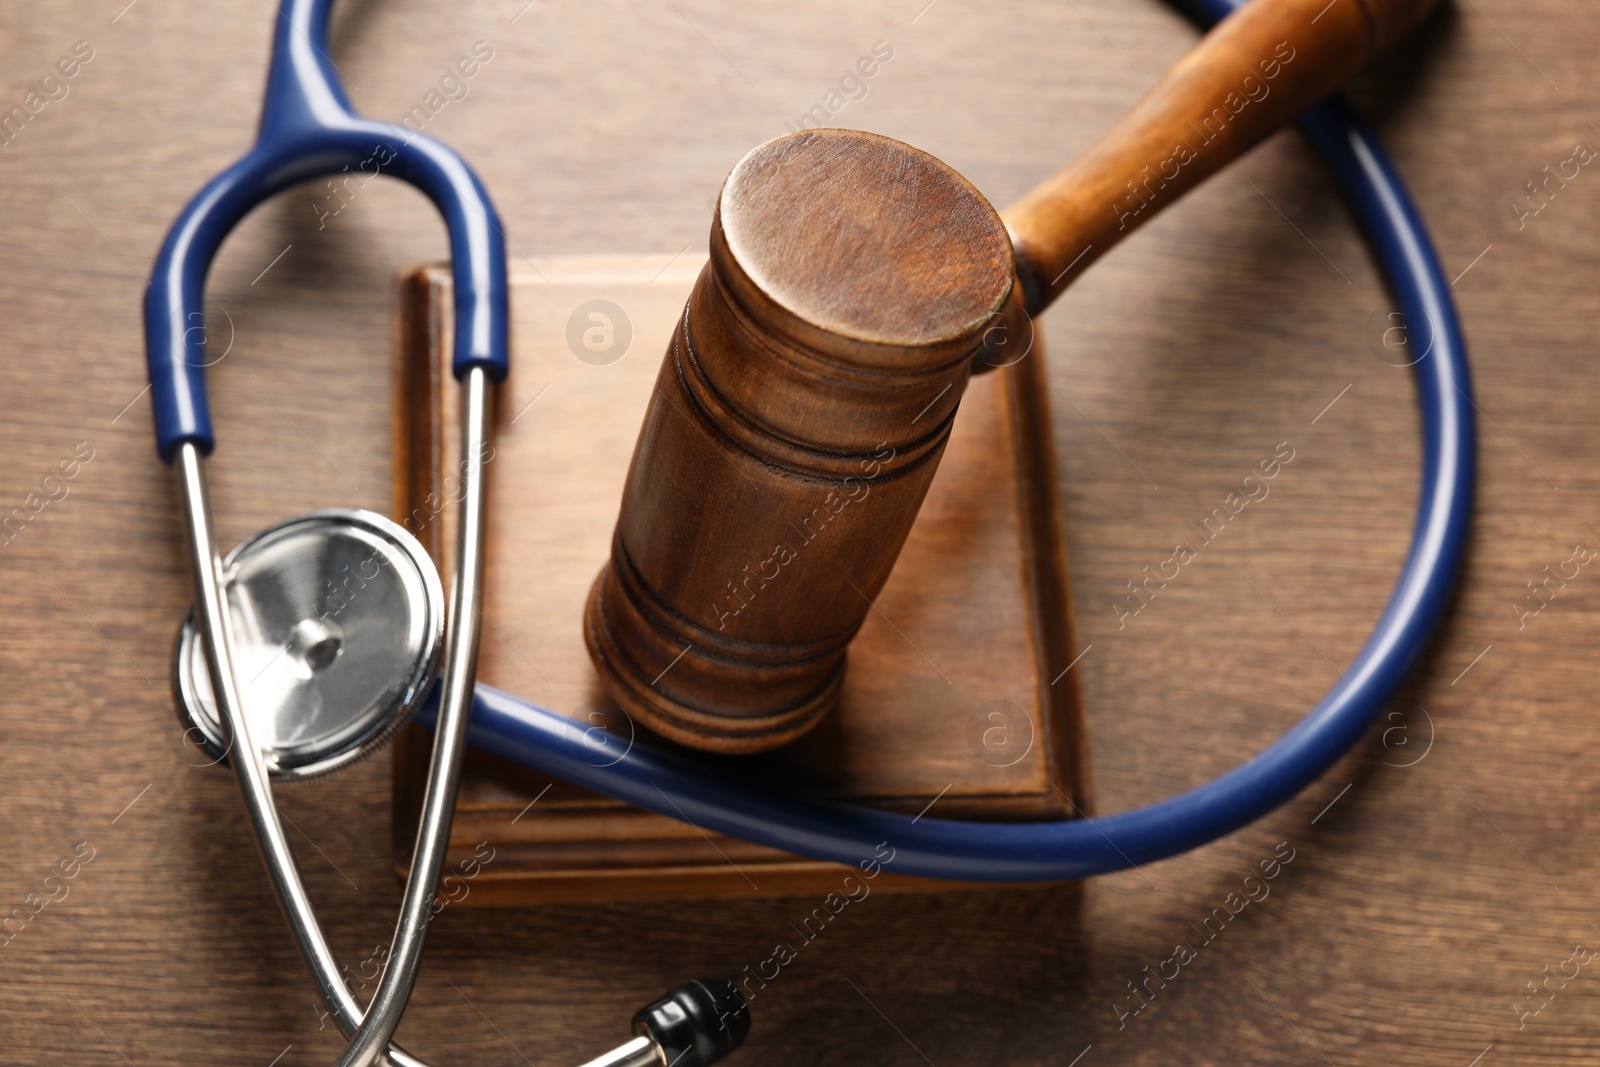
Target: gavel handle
[{"x": 1256, "y": 70}]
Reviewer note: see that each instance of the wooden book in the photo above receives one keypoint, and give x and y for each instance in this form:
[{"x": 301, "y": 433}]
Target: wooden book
[{"x": 958, "y": 699}]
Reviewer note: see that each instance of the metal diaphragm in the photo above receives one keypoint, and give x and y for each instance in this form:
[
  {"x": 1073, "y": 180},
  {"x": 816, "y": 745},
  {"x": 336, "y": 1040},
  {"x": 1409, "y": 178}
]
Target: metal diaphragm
[{"x": 337, "y": 620}]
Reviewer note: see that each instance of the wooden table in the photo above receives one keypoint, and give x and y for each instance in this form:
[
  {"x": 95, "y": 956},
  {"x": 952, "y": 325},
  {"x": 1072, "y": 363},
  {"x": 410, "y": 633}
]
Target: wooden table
[{"x": 1431, "y": 881}]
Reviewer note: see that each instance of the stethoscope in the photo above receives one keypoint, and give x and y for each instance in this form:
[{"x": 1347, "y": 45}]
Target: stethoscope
[{"x": 313, "y": 642}]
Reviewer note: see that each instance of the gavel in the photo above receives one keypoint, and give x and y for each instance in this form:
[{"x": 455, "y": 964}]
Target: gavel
[{"x": 854, "y": 284}]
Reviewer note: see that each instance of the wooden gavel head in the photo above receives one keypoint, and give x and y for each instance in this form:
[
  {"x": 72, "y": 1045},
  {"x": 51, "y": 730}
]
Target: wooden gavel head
[{"x": 800, "y": 414}]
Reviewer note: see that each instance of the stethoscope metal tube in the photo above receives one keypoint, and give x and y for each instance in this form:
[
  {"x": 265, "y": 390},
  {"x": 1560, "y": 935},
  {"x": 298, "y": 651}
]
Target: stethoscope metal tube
[
  {"x": 691, "y": 1026},
  {"x": 640, "y": 1052},
  {"x": 449, "y": 743},
  {"x": 249, "y": 767}
]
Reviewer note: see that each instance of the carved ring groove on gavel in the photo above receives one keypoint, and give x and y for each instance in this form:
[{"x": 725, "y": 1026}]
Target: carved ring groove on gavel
[{"x": 854, "y": 284}]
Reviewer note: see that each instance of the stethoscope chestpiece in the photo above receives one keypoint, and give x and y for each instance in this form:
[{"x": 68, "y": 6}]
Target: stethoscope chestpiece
[{"x": 338, "y": 619}]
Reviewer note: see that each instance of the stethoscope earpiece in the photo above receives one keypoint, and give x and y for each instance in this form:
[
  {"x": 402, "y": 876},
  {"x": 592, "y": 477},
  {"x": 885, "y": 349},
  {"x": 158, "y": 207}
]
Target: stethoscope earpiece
[{"x": 338, "y": 619}]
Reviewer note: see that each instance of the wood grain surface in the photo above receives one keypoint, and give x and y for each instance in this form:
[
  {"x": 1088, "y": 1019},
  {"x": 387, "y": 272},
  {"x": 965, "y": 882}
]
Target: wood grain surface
[{"x": 1421, "y": 901}]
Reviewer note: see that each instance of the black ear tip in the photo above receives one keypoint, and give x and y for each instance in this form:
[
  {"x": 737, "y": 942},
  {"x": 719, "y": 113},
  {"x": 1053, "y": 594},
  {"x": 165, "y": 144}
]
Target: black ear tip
[
  {"x": 697, "y": 1023},
  {"x": 732, "y": 1012}
]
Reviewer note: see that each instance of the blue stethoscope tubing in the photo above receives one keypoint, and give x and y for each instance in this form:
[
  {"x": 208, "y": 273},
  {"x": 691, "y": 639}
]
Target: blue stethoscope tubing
[
  {"x": 1045, "y": 851},
  {"x": 309, "y": 130}
]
